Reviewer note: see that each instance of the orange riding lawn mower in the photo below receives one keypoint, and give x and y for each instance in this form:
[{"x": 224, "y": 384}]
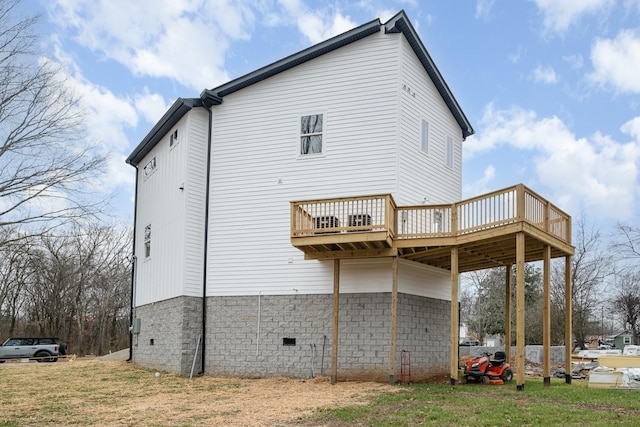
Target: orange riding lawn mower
[{"x": 489, "y": 371}]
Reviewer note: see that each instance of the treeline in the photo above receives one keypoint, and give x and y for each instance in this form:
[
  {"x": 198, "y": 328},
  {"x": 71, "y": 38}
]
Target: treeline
[
  {"x": 73, "y": 283},
  {"x": 605, "y": 292}
]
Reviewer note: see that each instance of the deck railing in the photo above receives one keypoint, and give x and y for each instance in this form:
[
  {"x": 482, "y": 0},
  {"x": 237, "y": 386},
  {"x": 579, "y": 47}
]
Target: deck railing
[
  {"x": 346, "y": 214},
  {"x": 379, "y": 213}
]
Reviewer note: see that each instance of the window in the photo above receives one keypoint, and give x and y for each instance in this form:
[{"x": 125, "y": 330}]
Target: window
[
  {"x": 147, "y": 241},
  {"x": 626, "y": 340},
  {"x": 311, "y": 134},
  {"x": 173, "y": 140},
  {"x": 424, "y": 138},
  {"x": 150, "y": 167},
  {"x": 448, "y": 152}
]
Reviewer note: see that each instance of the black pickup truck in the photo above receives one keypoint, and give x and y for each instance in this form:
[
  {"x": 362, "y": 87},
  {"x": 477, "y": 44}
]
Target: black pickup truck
[{"x": 40, "y": 349}]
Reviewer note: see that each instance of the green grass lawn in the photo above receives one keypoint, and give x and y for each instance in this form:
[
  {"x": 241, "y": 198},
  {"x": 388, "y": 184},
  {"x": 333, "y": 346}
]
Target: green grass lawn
[{"x": 491, "y": 405}]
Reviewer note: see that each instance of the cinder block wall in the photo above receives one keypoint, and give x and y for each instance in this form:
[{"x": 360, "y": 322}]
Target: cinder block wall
[
  {"x": 265, "y": 336},
  {"x": 168, "y": 335}
]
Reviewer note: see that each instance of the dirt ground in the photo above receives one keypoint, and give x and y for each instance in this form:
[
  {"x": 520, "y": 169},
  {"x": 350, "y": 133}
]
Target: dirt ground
[{"x": 103, "y": 392}]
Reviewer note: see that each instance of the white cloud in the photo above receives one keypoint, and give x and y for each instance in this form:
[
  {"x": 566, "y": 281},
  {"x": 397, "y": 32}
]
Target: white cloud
[
  {"x": 151, "y": 105},
  {"x": 575, "y": 61},
  {"x": 544, "y": 75},
  {"x": 514, "y": 58},
  {"x": 632, "y": 128},
  {"x": 107, "y": 118},
  {"x": 183, "y": 40},
  {"x": 559, "y": 15},
  {"x": 482, "y": 185},
  {"x": 616, "y": 62},
  {"x": 483, "y": 9},
  {"x": 317, "y": 25},
  {"x": 596, "y": 174}
]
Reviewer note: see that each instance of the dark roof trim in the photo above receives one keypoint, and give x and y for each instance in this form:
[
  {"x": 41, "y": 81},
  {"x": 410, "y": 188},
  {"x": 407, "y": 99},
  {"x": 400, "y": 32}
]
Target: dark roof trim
[
  {"x": 400, "y": 23},
  {"x": 210, "y": 97},
  {"x": 296, "y": 59},
  {"x": 162, "y": 127}
]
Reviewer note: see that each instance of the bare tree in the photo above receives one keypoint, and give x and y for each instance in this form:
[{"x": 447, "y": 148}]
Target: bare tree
[
  {"x": 626, "y": 301},
  {"x": 44, "y": 159},
  {"x": 627, "y": 242},
  {"x": 482, "y": 304},
  {"x": 590, "y": 266},
  {"x": 74, "y": 285}
]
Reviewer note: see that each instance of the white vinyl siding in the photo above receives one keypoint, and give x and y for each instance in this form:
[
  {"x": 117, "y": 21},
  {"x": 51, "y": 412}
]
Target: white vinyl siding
[
  {"x": 252, "y": 183},
  {"x": 171, "y": 200},
  {"x": 425, "y": 179},
  {"x": 424, "y": 137},
  {"x": 448, "y": 153}
]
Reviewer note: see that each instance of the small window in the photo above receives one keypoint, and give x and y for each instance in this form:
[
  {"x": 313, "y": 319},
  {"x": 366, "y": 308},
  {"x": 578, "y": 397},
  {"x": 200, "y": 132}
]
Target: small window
[
  {"x": 173, "y": 140},
  {"x": 147, "y": 241},
  {"x": 150, "y": 167},
  {"x": 448, "y": 152},
  {"x": 311, "y": 134},
  {"x": 627, "y": 340},
  {"x": 424, "y": 137}
]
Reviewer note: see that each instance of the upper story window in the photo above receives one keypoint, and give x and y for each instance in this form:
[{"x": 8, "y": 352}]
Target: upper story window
[
  {"x": 173, "y": 139},
  {"x": 150, "y": 167},
  {"x": 448, "y": 152},
  {"x": 311, "y": 134},
  {"x": 424, "y": 137},
  {"x": 147, "y": 241}
]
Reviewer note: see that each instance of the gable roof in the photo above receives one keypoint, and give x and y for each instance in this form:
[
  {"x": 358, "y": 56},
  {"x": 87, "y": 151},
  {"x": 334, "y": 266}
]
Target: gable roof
[
  {"x": 400, "y": 23},
  {"x": 209, "y": 97}
]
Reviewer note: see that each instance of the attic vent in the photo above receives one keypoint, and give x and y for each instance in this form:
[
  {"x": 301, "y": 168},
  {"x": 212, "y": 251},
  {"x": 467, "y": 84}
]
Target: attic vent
[{"x": 173, "y": 140}]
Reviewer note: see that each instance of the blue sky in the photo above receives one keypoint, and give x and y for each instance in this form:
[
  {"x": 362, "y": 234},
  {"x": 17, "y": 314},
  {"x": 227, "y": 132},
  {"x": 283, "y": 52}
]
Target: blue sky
[{"x": 552, "y": 87}]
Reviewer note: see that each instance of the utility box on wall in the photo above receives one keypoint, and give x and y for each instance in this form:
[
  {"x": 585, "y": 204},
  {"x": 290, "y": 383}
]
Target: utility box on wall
[{"x": 135, "y": 328}]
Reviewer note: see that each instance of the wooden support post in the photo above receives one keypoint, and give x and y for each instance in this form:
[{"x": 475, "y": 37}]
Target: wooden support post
[
  {"x": 336, "y": 310},
  {"x": 394, "y": 320},
  {"x": 546, "y": 316},
  {"x": 455, "y": 322},
  {"x": 520, "y": 256},
  {"x": 568, "y": 319},
  {"x": 507, "y": 312}
]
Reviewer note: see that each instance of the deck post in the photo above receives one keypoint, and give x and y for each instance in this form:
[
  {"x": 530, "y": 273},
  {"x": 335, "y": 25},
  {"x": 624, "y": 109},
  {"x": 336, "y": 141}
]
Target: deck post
[
  {"x": 455, "y": 326},
  {"x": 336, "y": 310},
  {"x": 546, "y": 316},
  {"x": 394, "y": 320},
  {"x": 507, "y": 311},
  {"x": 520, "y": 256},
  {"x": 568, "y": 319}
]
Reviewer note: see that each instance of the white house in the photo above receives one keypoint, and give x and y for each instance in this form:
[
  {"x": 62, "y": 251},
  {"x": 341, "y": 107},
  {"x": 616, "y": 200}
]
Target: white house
[{"x": 301, "y": 218}]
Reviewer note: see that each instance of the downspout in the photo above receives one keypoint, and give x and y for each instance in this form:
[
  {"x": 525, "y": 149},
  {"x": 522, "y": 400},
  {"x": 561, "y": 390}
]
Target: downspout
[
  {"x": 133, "y": 271},
  {"x": 206, "y": 243}
]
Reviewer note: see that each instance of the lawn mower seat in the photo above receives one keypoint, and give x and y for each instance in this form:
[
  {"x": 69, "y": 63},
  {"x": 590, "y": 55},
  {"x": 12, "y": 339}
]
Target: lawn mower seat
[{"x": 499, "y": 358}]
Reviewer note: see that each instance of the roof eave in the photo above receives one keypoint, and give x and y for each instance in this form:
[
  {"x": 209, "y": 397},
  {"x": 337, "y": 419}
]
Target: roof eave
[
  {"x": 400, "y": 23},
  {"x": 296, "y": 59},
  {"x": 179, "y": 108}
]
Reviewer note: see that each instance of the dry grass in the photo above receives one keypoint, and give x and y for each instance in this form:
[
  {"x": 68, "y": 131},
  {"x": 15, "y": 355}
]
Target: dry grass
[{"x": 115, "y": 393}]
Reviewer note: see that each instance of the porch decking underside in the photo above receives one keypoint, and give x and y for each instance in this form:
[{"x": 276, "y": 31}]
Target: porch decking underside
[{"x": 476, "y": 250}]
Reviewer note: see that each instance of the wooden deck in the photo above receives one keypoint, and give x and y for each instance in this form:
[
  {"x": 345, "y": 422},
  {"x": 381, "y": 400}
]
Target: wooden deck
[{"x": 483, "y": 229}]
